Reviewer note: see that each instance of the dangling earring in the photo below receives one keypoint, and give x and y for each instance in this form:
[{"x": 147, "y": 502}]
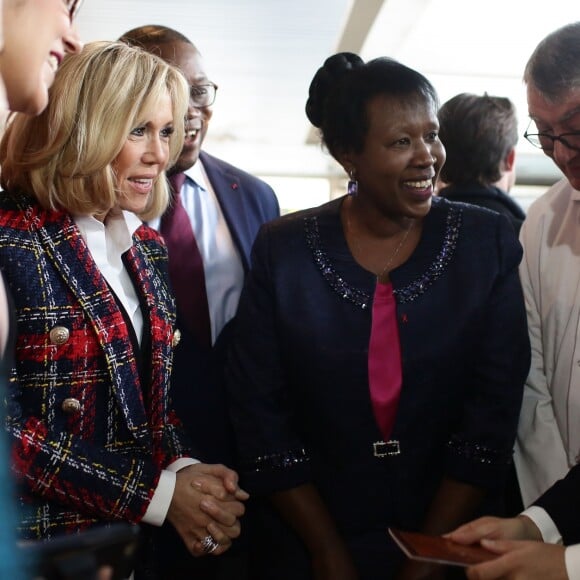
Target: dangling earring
[{"x": 352, "y": 187}]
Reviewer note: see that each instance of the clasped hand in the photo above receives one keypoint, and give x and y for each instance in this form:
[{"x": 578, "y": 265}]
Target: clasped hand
[{"x": 207, "y": 501}]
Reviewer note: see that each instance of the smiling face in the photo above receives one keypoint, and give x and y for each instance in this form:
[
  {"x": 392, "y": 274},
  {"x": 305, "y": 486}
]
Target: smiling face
[
  {"x": 555, "y": 118},
  {"x": 143, "y": 157},
  {"x": 37, "y": 35},
  {"x": 401, "y": 158},
  {"x": 187, "y": 59}
]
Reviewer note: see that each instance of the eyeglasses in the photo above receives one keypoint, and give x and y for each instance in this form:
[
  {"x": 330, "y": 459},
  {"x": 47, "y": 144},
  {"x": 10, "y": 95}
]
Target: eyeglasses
[
  {"x": 546, "y": 142},
  {"x": 203, "y": 95},
  {"x": 73, "y": 7}
]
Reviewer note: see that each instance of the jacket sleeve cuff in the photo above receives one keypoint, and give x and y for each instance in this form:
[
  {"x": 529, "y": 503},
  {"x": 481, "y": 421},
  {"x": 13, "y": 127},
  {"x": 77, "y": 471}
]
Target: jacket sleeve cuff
[
  {"x": 546, "y": 525},
  {"x": 159, "y": 505},
  {"x": 572, "y": 558},
  {"x": 180, "y": 463}
]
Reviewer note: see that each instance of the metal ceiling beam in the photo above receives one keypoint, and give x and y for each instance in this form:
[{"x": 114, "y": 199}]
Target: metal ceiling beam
[{"x": 361, "y": 17}]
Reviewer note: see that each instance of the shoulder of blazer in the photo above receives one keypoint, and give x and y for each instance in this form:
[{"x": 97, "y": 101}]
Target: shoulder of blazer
[
  {"x": 213, "y": 164},
  {"x": 20, "y": 211}
]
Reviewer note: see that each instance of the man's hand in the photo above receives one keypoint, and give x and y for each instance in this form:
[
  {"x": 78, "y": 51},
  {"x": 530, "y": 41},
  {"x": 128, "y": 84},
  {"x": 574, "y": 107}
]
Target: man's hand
[
  {"x": 207, "y": 502},
  {"x": 518, "y": 528},
  {"x": 521, "y": 561}
]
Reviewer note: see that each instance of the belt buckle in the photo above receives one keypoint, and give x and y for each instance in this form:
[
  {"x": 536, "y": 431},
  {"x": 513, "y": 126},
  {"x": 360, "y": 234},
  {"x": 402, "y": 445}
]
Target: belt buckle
[{"x": 386, "y": 448}]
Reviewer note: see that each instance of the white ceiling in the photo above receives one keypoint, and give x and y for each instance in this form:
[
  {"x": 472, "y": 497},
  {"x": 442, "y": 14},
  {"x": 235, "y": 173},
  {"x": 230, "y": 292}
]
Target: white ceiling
[{"x": 263, "y": 54}]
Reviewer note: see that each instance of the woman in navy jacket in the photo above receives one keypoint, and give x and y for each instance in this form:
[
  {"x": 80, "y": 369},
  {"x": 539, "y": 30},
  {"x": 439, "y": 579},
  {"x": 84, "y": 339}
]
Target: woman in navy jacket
[{"x": 381, "y": 343}]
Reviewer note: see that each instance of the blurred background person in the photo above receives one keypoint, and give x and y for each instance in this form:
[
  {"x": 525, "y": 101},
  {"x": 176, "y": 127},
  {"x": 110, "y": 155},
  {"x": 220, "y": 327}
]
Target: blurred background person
[
  {"x": 34, "y": 37},
  {"x": 94, "y": 438},
  {"x": 209, "y": 253},
  {"x": 380, "y": 347},
  {"x": 480, "y": 134}
]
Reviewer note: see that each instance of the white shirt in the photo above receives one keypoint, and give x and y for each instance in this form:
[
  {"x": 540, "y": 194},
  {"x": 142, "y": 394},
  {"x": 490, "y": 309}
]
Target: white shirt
[
  {"x": 107, "y": 242},
  {"x": 548, "y": 441},
  {"x": 551, "y": 535},
  {"x": 222, "y": 264}
]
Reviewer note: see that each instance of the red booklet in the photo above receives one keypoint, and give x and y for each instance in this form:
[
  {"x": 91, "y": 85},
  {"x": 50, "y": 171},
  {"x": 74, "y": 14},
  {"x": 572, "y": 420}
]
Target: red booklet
[{"x": 440, "y": 550}]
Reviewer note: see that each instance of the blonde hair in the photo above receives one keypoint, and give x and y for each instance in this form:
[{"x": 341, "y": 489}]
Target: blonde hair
[{"x": 64, "y": 156}]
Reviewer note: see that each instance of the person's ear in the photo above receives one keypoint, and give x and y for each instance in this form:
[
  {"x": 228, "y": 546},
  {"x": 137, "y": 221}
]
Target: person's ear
[
  {"x": 510, "y": 159},
  {"x": 346, "y": 161}
]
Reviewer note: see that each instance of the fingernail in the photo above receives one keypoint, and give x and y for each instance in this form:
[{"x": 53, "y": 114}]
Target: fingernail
[{"x": 195, "y": 483}]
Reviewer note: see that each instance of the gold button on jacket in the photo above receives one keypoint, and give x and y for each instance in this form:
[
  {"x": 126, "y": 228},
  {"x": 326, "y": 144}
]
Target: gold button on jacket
[
  {"x": 70, "y": 406},
  {"x": 59, "y": 335}
]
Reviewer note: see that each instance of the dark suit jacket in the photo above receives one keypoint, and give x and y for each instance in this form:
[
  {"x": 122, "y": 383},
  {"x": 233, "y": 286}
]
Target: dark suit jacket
[
  {"x": 197, "y": 389},
  {"x": 562, "y": 502},
  {"x": 487, "y": 196},
  {"x": 78, "y": 467}
]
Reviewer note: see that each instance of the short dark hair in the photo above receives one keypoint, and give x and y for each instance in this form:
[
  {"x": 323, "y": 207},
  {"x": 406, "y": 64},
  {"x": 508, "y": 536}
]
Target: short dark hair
[
  {"x": 478, "y": 132},
  {"x": 343, "y": 86},
  {"x": 554, "y": 67},
  {"x": 153, "y": 35}
]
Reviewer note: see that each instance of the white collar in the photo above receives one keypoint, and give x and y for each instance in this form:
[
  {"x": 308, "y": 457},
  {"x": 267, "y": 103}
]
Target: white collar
[
  {"x": 197, "y": 173},
  {"x": 121, "y": 224}
]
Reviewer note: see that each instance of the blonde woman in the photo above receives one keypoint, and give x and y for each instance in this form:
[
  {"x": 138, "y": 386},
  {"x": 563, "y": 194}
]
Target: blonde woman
[{"x": 94, "y": 438}]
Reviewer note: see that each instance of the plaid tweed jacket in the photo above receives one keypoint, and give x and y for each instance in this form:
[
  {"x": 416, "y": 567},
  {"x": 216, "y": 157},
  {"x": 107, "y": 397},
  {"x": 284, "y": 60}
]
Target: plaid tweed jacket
[{"x": 90, "y": 434}]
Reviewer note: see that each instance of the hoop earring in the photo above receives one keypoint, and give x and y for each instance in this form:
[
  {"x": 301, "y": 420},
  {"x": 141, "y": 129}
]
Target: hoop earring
[{"x": 352, "y": 187}]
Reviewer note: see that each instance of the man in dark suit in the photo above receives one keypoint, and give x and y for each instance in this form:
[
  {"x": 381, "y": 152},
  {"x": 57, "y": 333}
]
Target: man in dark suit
[
  {"x": 226, "y": 207},
  {"x": 542, "y": 542}
]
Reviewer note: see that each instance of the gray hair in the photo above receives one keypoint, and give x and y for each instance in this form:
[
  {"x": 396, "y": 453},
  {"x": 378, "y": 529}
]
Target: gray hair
[{"x": 554, "y": 67}]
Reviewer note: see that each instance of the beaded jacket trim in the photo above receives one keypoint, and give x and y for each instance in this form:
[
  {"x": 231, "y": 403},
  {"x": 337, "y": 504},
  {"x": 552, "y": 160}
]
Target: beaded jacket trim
[
  {"x": 404, "y": 295},
  {"x": 275, "y": 461},
  {"x": 479, "y": 453},
  {"x": 362, "y": 299}
]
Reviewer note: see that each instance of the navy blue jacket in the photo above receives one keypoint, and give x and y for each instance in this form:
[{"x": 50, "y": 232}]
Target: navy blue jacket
[
  {"x": 562, "y": 502},
  {"x": 298, "y": 371}
]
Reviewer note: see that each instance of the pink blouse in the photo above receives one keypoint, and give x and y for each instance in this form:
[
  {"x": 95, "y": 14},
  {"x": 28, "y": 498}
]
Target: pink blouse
[{"x": 385, "y": 369}]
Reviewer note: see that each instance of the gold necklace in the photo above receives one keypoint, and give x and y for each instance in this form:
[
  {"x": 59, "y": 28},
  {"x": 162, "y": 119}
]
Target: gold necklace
[{"x": 394, "y": 253}]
